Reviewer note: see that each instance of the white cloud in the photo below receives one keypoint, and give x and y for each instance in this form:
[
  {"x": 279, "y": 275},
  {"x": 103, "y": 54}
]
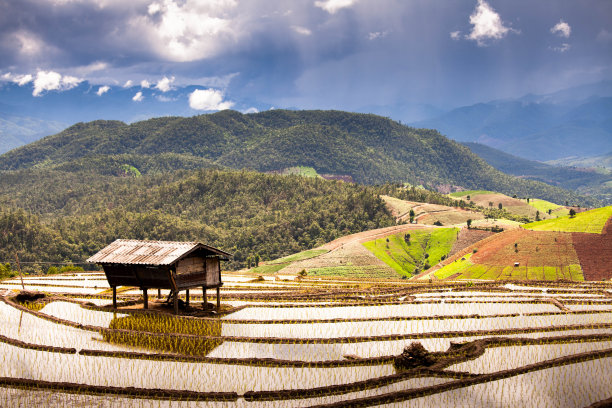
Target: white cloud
[
  {"x": 604, "y": 36},
  {"x": 455, "y": 35},
  {"x": 20, "y": 80},
  {"x": 138, "y": 97},
  {"x": 154, "y": 8},
  {"x": 208, "y": 100},
  {"x": 562, "y": 29},
  {"x": 165, "y": 84},
  {"x": 251, "y": 110},
  {"x": 102, "y": 90},
  {"x": 214, "y": 81},
  {"x": 53, "y": 81},
  {"x": 332, "y": 6},
  {"x": 487, "y": 24},
  {"x": 145, "y": 84},
  {"x": 301, "y": 30},
  {"x": 29, "y": 44},
  {"x": 377, "y": 34},
  {"x": 128, "y": 83},
  {"x": 163, "y": 98},
  {"x": 562, "y": 48},
  {"x": 93, "y": 67},
  {"x": 188, "y": 30}
]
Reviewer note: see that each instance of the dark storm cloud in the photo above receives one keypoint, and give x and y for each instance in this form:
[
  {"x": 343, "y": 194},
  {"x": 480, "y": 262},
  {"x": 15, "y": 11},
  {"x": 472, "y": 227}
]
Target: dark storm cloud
[{"x": 317, "y": 53}]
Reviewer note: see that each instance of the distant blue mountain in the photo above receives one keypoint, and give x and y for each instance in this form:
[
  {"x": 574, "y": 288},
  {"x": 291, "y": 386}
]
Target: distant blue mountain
[
  {"x": 576, "y": 121},
  {"x": 16, "y": 130}
]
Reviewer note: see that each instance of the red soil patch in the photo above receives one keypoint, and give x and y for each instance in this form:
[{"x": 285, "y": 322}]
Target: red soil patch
[
  {"x": 533, "y": 248},
  {"x": 595, "y": 253},
  {"x": 468, "y": 237}
]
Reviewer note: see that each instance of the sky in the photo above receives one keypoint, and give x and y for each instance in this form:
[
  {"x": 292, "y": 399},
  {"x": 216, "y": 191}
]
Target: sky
[{"x": 306, "y": 54}]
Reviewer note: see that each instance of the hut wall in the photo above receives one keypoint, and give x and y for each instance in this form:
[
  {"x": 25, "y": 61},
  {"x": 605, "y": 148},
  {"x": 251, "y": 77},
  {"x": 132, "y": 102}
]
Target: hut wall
[
  {"x": 192, "y": 264},
  {"x": 213, "y": 272}
]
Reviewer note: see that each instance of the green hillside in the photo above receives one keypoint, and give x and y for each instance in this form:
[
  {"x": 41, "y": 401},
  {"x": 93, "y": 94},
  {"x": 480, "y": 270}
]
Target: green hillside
[
  {"x": 414, "y": 252},
  {"x": 369, "y": 148},
  {"x": 592, "y": 221}
]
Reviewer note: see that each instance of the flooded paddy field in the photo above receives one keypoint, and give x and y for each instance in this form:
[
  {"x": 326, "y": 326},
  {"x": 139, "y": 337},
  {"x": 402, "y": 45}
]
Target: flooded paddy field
[{"x": 306, "y": 342}]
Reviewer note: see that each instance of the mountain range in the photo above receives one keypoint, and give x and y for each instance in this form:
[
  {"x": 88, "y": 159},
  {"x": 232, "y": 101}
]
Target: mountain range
[
  {"x": 588, "y": 176},
  {"x": 571, "y": 122},
  {"x": 538, "y": 127},
  {"x": 368, "y": 148}
]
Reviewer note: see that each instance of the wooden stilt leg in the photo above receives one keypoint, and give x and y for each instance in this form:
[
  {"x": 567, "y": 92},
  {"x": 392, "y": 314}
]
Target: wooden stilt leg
[
  {"x": 145, "y": 295},
  {"x": 204, "y": 299},
  {"x": 175, "y": 301},
  {"x": 114, "y": 297},
  {"x": 187, "y": 297},
  {"x": 159, "y": 293},
  {"x": 218, "y": 298}
]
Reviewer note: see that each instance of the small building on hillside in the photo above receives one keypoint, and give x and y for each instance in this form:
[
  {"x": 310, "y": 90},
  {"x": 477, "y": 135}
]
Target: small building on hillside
[{"x": 162, "y": 265}]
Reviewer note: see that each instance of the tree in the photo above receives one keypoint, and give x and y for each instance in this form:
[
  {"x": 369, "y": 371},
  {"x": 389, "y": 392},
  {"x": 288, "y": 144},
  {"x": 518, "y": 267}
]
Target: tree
[
  {"x": 572, "y": 213},
  {"x": 407, "y": 238},
  {"x": 490, "y": 203},
  {"x": 469, "y": 223},
  {"x": 538, "y": 215},
  {"x": 257, "y": 259},
  {"x": 500, "y": 206},
  {"x": 412, "y": 214}
]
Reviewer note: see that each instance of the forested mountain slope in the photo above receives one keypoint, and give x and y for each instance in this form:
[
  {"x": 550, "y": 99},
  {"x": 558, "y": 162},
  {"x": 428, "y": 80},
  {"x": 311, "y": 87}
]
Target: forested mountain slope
[
  {"x": 369, "y": 148},
  {"x": 57, "y": 216}
]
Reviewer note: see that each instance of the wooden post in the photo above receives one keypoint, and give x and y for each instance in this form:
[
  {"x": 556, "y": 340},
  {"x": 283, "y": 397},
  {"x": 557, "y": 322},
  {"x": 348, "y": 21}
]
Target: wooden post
[
  {"x": 159, "y": 293},
  {"x": 204, "y": 300},
  {"x": 218, "y": 298},
  {"x": 145, "y": 295},
  {"x": 175, "y": 301},
  {"x": 186, "y": 297},
  {"x": 114, "y": 297},
  {"x": 19, "y": 269}
]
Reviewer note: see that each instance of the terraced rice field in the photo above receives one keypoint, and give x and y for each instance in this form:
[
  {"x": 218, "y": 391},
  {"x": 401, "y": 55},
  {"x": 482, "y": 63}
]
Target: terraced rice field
[
  {"x": 312, "y": 342},
  {"x": 545, "y": 206},
  {"x": 429, "y": 213},
  {"x": 592, "y": 221},
  {"x": 491, "y": 199},
  {"x": 539, "y": 251},
  {"x": 414, "y": 251}
]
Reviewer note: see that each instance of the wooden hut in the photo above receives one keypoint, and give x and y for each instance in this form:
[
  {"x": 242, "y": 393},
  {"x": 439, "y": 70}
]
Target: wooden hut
[{"x": 161, "y": 265}]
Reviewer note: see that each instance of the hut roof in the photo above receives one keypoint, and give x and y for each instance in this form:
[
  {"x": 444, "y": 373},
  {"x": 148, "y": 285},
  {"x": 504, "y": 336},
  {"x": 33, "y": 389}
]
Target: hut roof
[{"x": 138, "y": 252}]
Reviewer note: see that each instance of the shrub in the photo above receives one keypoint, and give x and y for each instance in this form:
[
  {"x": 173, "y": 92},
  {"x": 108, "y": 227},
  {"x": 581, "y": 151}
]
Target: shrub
[
  {"x": 70, "y": 268},
  {"x": 52, "y": 270}
]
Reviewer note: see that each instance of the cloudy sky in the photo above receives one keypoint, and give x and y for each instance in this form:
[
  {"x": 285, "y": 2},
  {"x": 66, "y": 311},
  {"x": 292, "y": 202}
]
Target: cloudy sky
[{"x": 340, "y": 54}]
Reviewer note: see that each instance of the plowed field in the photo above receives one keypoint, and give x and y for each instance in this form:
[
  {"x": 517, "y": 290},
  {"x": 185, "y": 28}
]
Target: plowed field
[{"x": 595, "y": 253}]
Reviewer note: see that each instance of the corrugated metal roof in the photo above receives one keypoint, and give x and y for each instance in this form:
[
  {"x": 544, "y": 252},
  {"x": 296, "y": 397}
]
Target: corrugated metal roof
[{"x": 131, "y": 251}]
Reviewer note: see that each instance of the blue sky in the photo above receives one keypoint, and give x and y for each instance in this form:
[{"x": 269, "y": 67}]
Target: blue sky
[{"x": 307, "y": 54}]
